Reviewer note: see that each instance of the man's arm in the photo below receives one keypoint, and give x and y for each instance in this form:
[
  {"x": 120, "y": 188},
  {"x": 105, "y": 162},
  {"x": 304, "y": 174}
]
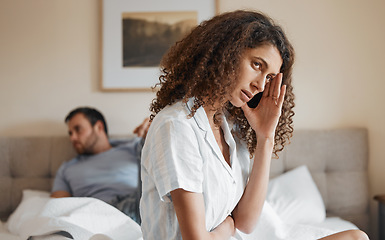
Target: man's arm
[
  {"x": 60, "y": 186},
  {"x": 60, "y": 194},
  {"x": 142, "y": 129}
]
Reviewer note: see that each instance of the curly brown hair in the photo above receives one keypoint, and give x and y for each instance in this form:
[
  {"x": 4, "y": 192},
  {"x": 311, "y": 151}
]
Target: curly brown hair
[{"x": 205, "y": 65}]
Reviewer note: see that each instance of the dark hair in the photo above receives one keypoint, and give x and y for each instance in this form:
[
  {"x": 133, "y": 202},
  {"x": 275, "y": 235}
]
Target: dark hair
[
  {"x": 91, "y": 114},
  {"x": 205, "y": 65}
]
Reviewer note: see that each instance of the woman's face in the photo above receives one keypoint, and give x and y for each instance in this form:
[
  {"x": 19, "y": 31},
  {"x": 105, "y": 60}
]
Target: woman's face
[{"x": 257, "y": 66}]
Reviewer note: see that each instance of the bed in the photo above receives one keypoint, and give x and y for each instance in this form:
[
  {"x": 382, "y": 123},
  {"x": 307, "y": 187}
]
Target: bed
[{"x": 334, "y": 162}]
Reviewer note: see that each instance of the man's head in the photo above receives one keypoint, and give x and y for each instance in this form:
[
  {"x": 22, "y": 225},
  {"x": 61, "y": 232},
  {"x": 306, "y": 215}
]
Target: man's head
[{"x": 87, "y": 130}]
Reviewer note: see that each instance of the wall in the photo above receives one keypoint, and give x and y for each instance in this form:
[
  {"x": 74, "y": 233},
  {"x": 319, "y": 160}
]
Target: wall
[
  {"x": 50, "y": 54},
  {"x": 49, "y": 64}
]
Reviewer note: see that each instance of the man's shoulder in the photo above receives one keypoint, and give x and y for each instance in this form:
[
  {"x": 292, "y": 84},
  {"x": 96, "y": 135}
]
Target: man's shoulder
[
  {"x": 69, "y": 163},
  {"x": 120, "y": 142},
  {"x": 126, "y": 147}
]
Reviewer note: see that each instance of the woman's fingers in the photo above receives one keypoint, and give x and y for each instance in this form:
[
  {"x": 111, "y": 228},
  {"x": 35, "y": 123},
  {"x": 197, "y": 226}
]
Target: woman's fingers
[
  {"x": 282, "y": 96},
  {"x": 275, "y": 91},
  {"x": 273, "y": 86},
  {"x": 266, "y": 90}
]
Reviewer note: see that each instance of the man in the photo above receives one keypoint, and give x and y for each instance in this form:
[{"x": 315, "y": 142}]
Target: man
[{"x": 103, "y": 169}]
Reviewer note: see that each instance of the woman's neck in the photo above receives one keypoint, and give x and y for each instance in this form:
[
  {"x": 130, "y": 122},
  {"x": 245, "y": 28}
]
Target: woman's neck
[{"x": 210, "y": 112}]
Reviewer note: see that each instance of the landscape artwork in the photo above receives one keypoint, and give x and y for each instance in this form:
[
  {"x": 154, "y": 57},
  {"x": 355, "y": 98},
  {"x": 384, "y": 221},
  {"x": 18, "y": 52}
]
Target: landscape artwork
[{"x": 148, "y": 35}]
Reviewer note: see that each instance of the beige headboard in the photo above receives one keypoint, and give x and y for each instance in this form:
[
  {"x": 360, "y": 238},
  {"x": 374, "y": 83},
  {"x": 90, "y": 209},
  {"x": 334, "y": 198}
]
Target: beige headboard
[
  {"x": 337, "y": 160},
  {"x": 29, "y": 163}
]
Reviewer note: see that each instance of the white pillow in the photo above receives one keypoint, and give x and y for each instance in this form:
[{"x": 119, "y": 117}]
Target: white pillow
[
  {"x": 296, "y": 198},
  {"x": 31, "y": 204}
]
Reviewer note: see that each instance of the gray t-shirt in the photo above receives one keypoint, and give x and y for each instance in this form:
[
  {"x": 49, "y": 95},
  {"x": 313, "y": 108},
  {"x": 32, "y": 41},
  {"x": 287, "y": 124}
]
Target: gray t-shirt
[{"x": 105, "y": 176}]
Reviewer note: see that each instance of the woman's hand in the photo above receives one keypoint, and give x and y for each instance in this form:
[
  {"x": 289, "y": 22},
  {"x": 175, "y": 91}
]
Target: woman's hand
[{"x": 264, "y": 118}]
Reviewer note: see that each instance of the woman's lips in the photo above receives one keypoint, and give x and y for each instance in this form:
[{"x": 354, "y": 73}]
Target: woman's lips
[{"x": 246, "y": 95}]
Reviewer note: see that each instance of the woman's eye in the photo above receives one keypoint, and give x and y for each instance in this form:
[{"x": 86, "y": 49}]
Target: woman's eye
[{"x": 257, "y": 65}]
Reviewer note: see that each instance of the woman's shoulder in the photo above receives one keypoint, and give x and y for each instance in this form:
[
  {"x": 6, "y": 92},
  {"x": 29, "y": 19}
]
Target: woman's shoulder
[
  {"x": 177, "y": 112},
  {"x": 173, "y": 125}
]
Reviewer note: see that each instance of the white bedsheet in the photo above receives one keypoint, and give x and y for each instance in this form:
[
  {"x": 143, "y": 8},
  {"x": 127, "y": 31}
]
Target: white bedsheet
[
  {"x": 5, "y": 234},
  {"x": 335, "y": 224},
  {"x": 81, "y": 218},
  {"x": 271, "y": 227},
  {"x": 92, "y": 219}
]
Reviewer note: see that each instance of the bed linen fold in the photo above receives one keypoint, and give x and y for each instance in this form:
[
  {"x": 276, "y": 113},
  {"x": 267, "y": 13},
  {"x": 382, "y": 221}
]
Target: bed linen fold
[
  {"x": 78, "y": 218},
  {"x": 92, "y": 219}
]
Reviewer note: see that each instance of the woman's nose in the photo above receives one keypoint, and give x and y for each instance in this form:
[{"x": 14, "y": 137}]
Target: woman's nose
[{"x": 260, "y": 83}]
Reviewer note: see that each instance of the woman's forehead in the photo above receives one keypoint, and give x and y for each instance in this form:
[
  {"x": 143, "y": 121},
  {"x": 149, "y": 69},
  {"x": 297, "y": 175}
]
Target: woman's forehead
[{"x": 267, "y": 53}]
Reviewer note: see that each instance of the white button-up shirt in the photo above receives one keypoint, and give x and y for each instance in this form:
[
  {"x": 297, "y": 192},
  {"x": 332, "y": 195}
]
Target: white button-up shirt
[{"x": 182, "y": 152}]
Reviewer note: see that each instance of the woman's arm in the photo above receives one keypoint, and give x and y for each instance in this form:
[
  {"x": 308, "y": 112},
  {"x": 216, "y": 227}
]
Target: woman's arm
[
  {"x": 263, "y": 119},
  {"x": 190, "y": 211},
  {"x": 248, "y": 210}
]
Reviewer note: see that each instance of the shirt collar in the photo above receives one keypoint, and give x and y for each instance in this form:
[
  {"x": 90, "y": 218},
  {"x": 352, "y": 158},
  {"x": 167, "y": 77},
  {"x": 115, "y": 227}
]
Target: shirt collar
[
  {"x": 200, "y": 116},
  {"x": 202, "y": 121}
]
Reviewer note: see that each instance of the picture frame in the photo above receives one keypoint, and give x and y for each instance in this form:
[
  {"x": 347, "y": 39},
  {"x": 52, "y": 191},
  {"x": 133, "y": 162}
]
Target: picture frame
[{"x": 114, "y": 75}]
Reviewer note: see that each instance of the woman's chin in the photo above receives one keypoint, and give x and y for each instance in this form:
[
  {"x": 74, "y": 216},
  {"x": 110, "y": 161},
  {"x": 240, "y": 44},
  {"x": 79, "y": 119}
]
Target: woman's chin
[{"x": 238, "y": 103}]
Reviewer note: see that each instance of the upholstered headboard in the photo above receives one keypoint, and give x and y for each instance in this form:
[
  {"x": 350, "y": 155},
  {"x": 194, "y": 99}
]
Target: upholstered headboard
[
  {"x": 337, "y": 160},
  {"x": 29, "y": 163}
]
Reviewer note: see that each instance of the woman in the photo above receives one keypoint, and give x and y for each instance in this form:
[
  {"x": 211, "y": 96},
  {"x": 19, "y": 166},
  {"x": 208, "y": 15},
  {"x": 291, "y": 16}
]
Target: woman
[{"x": 206, "y": 160}]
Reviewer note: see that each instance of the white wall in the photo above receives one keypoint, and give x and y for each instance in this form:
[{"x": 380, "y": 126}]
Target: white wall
[
  {"x": 49, "y": 64},
  {"x": 50, "y": 55}
]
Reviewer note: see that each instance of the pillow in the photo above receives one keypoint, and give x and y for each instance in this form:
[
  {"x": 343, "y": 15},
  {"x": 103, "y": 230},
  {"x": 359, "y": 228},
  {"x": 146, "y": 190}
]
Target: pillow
[
  {"x": 31, "y": 204},
  {"x": 296, "y": 198}
]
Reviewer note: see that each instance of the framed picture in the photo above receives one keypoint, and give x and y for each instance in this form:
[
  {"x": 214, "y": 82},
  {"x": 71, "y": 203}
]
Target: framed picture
[{"x": 136, "y": 34}]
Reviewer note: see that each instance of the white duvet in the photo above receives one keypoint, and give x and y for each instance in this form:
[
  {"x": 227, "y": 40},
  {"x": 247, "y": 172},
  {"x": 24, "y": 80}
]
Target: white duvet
[
  {"x": 294, "y": 210},
  {"x": 271, "y": 227},
  {"x": 63, "y": 218},
  {"x": 91, "y": 219}
]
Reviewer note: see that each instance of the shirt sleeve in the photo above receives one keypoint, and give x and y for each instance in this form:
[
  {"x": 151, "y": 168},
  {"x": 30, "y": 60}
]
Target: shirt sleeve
[
  {"x": 60, "y": 183},
  {"x": 172, "y": 158}
]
